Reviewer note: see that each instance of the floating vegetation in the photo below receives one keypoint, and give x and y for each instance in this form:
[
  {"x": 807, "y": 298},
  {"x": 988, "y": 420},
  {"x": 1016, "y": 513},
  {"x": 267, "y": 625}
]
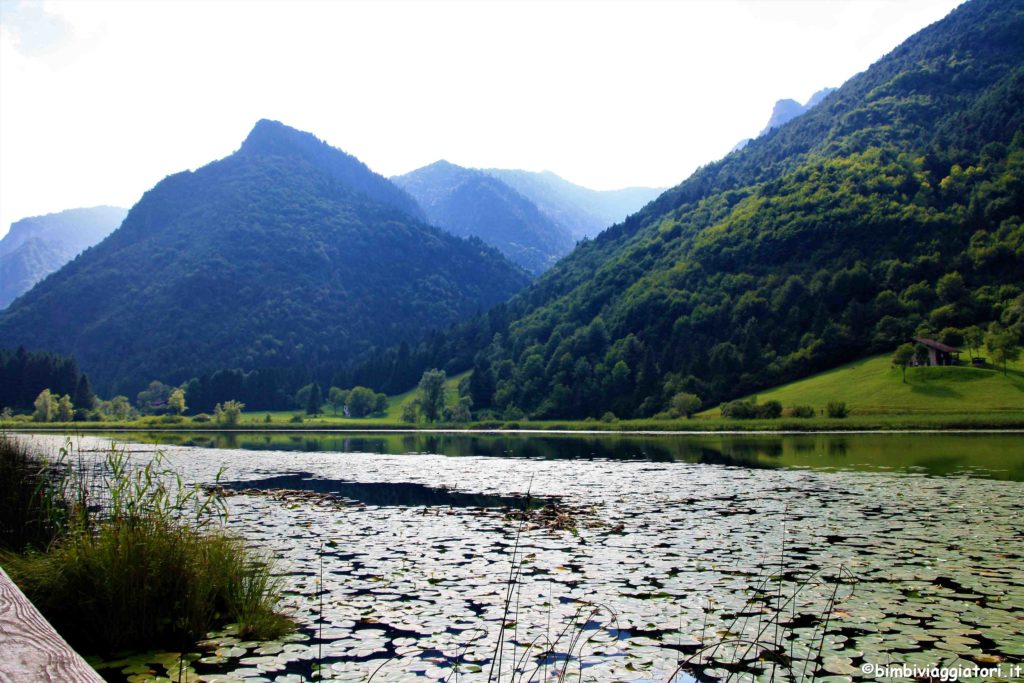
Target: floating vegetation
[{"x": 686, "y": 563}]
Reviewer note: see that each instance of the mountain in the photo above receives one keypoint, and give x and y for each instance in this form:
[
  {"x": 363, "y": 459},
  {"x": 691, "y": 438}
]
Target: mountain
[
  {"x": 286, "y": 253},
  {"x": 892, "y": 209},
  {"x": 785, "y": 111},
  {"x": 584, "y": 212},
  {"x": 35, "y": 247},
  {"x": 467, "y": 202}
]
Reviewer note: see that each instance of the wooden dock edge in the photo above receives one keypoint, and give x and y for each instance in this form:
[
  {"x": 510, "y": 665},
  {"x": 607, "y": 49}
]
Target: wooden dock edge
[{"x": 30, "y": 649}]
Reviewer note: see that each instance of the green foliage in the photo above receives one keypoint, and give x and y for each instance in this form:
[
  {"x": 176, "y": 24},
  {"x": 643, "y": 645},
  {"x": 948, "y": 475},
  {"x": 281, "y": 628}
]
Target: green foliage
[
  {"x": 684, "y": 404},
  {"x": 363, "y": 402},
  {"x": 142, "y": 570},
  {"x": 287, "y": 253},
  {"x": 314, "y": 400},
  {"x": 1003, "y": 344},
  {"x": 410, "y": 412},
  {"x": 176, "y": 401},
  {"x": 891, "y": 208},
  {"x": 229, "y": 413},
  {"x": 431, "y": 398},
  {"x": 802, "y": 411},
  {"x": 154, "y": 399},
  {"x": 902, "y": 357},
  {"x": 836, "y": 409},
  {"x": 751, "y": 410},
  {"x": 336, "y": 398},
  {"x": 45, "y": 407}
]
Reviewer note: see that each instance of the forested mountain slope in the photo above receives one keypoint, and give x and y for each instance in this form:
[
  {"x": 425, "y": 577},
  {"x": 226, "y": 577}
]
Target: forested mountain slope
[
  {"x": 35, "y": 247},
  {"x": 470, "y": 203},
  {"x": 892, "y": 208},
  {"x": 286, "y": 253}
]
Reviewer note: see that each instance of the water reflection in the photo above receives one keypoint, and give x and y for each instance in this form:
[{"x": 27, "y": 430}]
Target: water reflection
[{"x": 996, "y": 456}]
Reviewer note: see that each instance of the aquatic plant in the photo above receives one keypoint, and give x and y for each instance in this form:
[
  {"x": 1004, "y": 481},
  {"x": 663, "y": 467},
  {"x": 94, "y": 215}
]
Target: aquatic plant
[{"x": 137, "y": 558}]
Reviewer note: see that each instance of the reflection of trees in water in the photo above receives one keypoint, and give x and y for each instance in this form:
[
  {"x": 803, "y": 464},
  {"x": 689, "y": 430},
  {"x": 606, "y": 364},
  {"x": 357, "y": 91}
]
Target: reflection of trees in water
[{"x": 837, "y": 446}]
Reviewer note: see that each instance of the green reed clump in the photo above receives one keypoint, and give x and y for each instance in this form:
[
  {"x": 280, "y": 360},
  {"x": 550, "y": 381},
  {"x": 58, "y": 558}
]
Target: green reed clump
[
  {"x": 33, "y": 507},
  {"x": 143, "y": 561}
]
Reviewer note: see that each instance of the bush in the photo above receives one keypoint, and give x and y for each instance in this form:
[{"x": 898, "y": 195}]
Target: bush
[
  {"x": 609, "y": 417},
  {"x": 201, "y": 417},
  {"x": 143, "y": 570},
  {"x": 296, "y": 420},
  {"x": 836, "y": 409},
  {"x": 749, "y": 410},
  {"x": 801, "y": 411}
]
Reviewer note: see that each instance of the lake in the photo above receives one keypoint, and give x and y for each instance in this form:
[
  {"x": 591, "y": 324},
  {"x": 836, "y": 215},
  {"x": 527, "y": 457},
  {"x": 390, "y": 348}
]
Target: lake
[{"x": 433, "y": 556}]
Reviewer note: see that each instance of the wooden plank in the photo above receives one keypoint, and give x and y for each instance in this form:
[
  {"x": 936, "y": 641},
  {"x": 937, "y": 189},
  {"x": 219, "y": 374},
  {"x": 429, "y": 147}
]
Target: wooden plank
[{"x": 30, "y": 649}]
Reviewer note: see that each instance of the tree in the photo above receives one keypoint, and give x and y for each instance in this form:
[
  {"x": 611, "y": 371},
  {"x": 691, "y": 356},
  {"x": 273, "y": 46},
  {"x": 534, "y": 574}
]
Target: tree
[
  {"x": 336, "y": 398},
  {"x": 902, "y": 357},
  {"x": 685, "y": 403},
  {"x": 153, "y": 399},
  {"x": 65, "y": 409},
  {"x": 46, "y": 407},
  {"x": 920, "y": 354},
  {"x": 176, "y": 401},
  {"x": 118, "y": 408},
  {"x": 229, "y": 413},
  {"x": 974, "y": 338},
  {"x": 461, "y": 411},
  {"x": 1003, "y": 345},
  {"x": 410, "y": 411},
  {"x": 84, "y": 399},
  {"x": 950, "y": 288},
  {"x": 315, "y": 401},
  {"x": 361, "y": 402},
  {"x": 431, "y": 397}
]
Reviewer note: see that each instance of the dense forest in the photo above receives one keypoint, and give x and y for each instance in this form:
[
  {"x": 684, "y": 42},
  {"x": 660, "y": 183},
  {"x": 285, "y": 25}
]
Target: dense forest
[
  {"x": 287, "y": 254},
  {"x": 893, "y": 208}
]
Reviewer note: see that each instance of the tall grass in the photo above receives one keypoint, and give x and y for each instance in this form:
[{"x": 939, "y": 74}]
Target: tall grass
[{"x": 135, "y": 559}]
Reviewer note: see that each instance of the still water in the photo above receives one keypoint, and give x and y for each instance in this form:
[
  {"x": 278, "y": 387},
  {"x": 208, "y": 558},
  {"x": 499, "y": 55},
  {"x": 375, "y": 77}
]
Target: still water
[{"x": 707, "y": 557}]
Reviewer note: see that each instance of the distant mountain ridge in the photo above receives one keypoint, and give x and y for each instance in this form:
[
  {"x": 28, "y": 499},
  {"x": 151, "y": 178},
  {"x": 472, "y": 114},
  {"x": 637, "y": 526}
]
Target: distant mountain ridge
[
  {"x": 288, "y": 253},
  {"x": 785, "y": 111},
  {"x": 468, "y": 202},
  {"x": 37, "y": 246},
  {"x": 584, "y": 212}
]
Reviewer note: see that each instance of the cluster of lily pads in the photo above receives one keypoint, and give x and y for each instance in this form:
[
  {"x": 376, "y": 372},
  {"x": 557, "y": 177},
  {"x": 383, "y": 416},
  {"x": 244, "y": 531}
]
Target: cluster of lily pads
[{"x": 695, "y": 572}]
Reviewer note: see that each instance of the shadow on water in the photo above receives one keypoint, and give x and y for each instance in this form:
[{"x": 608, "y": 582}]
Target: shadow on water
[{"x": 384, "y": 493}]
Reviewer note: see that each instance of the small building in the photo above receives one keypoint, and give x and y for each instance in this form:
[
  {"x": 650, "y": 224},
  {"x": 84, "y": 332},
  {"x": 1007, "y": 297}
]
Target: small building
[{"x": 939, "y": 353}]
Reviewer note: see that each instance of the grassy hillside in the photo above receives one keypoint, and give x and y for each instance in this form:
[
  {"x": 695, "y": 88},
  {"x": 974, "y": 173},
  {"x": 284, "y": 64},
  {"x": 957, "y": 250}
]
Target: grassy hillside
[{"x": 873, "y": 387}]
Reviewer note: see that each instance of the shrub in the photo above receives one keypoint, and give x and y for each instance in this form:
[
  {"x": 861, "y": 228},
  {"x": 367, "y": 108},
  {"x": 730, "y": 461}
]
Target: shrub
[
  {"x": 296, "y": 420},
  {"x": 201, "y": 417},
  {"x": 836, "y": 409},
  {"x": 609, "y": 416},
  {"x": 801, "y": 411},
  {"x": 770, "y": 410},
  {"x": 749, "y": 410}
]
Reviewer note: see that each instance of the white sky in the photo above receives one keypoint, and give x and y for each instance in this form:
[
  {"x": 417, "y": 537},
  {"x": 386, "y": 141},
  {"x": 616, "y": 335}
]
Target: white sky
[{"x": 100, "y": 100}]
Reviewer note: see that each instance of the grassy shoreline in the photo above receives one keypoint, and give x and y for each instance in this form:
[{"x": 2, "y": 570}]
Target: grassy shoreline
[{"x": 254, "y": 423}]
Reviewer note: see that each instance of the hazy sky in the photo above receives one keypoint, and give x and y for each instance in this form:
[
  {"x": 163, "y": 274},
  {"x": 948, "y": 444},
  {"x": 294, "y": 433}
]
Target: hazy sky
[{"x": 99, "y": 101}]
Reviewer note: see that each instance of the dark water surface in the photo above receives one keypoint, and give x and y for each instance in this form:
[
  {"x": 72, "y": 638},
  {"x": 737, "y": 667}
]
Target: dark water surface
[{"x": 987, "y": 455}]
